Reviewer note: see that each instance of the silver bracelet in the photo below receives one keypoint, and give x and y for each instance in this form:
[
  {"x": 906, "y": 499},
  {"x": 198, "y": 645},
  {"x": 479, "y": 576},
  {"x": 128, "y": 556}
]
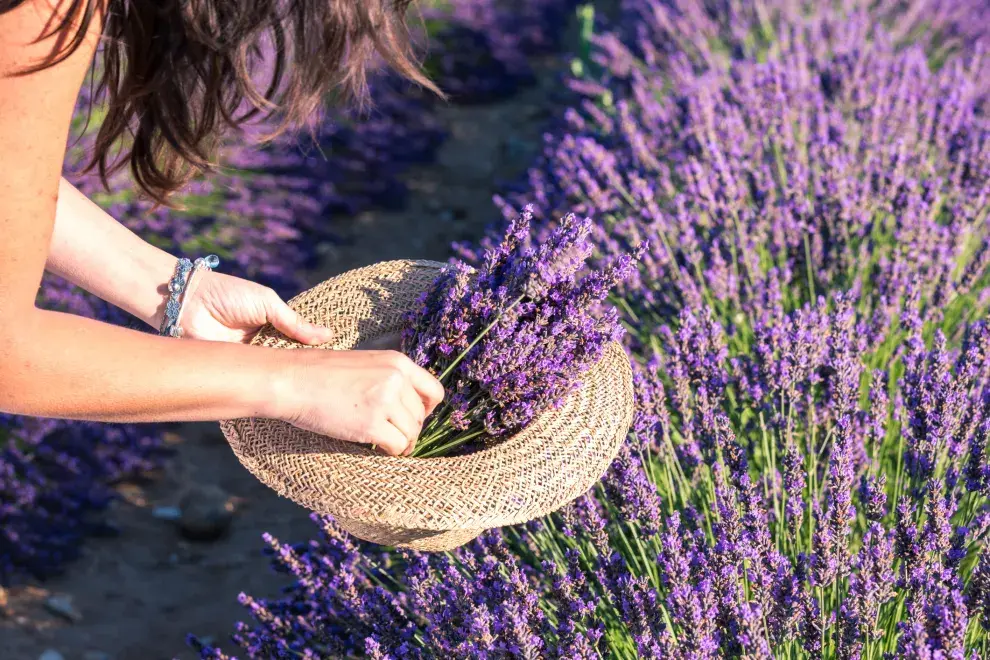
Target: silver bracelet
[{"x": 184, "y": 271}]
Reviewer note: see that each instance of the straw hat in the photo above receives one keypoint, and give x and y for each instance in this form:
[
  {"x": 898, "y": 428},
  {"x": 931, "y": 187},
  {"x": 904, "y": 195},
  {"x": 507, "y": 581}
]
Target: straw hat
[{"x": 430, "y": 504}]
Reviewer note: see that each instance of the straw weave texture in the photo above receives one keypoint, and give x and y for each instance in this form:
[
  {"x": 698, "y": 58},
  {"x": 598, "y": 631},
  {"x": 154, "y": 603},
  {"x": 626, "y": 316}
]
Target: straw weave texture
[{"x": 439, "y": 503}]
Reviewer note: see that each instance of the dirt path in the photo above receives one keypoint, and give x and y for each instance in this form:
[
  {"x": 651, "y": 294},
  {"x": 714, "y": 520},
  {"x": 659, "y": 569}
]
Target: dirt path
[{"x": 138, "y": 595}]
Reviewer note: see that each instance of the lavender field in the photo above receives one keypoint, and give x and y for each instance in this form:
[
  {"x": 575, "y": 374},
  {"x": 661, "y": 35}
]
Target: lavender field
[{"x": 806, "y": 187}]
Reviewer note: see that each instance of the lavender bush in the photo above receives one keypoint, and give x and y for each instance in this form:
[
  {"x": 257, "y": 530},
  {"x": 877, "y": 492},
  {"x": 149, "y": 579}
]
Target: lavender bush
[
  {"x": 343, "y": 162},
  {"x": 53, "y": 482},
  {"x": 478, "y": 49},
  {"x": 807, "y": 473},
  {"x": 513, "y": 337}
]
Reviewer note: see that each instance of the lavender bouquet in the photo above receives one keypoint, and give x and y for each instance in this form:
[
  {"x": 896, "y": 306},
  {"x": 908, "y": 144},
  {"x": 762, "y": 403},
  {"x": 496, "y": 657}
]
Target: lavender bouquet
[{"x": 513, "y": 337}]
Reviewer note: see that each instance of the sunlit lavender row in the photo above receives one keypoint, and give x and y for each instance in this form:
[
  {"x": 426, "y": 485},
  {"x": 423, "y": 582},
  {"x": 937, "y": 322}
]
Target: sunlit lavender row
[{"x": 807, "y": 473}]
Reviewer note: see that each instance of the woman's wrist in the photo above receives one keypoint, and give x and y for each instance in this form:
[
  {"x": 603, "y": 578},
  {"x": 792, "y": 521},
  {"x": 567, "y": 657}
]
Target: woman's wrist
[
  {"x": 96, "y": 253},
  {"x": 148, "y": 293},
  {"x": 283, "y": 367}
]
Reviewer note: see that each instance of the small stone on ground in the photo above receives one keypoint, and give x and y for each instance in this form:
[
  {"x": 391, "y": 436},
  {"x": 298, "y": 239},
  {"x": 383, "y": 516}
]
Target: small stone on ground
[
  {"x": 61, "y": 605},
  {"x": 51, "y": 654},
  {"x": 95, "y": 655},
  {"x": 166, "y": 513},
  {"x": 206, "y": 512}
]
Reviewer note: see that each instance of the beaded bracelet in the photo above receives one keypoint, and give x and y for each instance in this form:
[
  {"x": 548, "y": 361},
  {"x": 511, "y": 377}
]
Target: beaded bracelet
[{"x": 184, "y": 270}]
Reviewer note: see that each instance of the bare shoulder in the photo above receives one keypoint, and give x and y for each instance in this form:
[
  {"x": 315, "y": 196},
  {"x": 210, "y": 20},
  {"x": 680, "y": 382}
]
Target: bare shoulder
[
  {"x": 33, "y": 32},
  {"x": 44, "y": 56}
]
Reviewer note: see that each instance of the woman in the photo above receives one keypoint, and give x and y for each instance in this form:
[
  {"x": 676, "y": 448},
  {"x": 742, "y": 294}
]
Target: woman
[{"x": 177, "y": 72}]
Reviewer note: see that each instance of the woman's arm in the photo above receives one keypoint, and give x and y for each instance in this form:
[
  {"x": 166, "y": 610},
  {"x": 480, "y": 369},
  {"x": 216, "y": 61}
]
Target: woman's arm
[
  {"x": 58, "y": 365},
  {"x": 95, "y": 252}
]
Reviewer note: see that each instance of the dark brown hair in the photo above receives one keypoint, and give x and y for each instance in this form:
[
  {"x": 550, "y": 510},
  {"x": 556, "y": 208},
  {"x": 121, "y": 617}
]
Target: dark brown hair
[{"x": 176, "y": 73}]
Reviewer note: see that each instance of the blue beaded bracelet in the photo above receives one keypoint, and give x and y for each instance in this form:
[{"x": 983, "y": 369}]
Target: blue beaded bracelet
[{"x": 184, "y": 271}]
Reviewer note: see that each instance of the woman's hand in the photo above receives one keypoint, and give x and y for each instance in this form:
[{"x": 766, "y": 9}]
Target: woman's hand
[
  {"x": 373, "y": 395},
  {"x": 378, "y": 397},
  {"x": 220, "y": 307},
  {"x": 368, "y": 396}
]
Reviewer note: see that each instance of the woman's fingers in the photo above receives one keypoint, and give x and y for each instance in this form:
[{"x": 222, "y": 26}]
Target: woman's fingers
[
  {"x": 404, "y": 420},
  {"x": 292, "y": 325},
  {"x": 426, "y": 385},
  {"x": 387, "y": 435},
  {"x": 413, "y": 404}
]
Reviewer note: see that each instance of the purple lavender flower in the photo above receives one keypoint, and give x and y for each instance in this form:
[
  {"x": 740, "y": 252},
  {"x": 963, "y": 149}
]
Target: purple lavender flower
[
  {"x": 514, "y": 337},
  {"x": 936, "y": 621},
  {"x": 873, "y": 496},
  {"x": 871, "y": 585}
]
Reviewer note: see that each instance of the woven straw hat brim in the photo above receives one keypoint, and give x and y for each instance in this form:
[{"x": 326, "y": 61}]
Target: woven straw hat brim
[{"x": 405, "y": 501}]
